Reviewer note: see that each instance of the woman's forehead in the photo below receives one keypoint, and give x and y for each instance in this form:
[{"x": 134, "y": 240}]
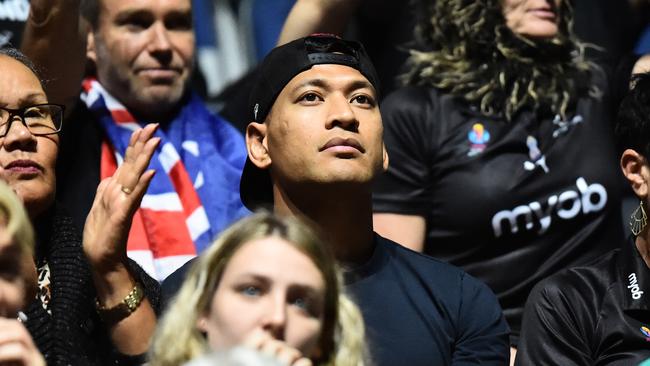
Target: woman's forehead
[
  {"x": 18, "y": 84},
  {"x": 274, "y": 257}
]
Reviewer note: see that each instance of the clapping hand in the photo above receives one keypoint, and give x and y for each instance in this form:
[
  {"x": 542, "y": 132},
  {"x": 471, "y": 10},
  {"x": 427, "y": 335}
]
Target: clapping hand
[{"x": 118, "y": 197}]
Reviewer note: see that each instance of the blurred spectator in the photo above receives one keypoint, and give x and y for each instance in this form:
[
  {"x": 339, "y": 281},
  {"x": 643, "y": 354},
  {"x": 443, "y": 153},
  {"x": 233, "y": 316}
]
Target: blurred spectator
[
  {"x": 232, "y": 36},
  {"x": 17, "y": 282}
]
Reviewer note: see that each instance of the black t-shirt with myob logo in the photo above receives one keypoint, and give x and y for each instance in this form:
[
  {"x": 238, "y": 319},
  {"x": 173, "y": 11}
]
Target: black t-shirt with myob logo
[
  {"x": 511, "y": 203},
  {"x": 596, "y": 314}
]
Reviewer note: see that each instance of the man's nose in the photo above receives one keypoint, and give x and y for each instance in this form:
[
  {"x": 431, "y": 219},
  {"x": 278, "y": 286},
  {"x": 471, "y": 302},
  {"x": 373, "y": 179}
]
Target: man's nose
[
  {"x": 159, "y": 41},
  {"x": 341, "y": 114}
]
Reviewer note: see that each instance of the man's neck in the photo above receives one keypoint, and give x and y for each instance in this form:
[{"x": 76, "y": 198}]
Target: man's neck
[
  {"x": 163, "y": 118},
  {"x": 345, "y": 217}
]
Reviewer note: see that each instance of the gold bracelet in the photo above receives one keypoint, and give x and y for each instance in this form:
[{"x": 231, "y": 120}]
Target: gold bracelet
[{"x": 122, "y": 310}]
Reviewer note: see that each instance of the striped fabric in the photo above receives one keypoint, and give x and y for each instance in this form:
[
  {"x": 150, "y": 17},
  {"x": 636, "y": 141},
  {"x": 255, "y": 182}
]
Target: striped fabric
[{"x": 171, "y": 225}]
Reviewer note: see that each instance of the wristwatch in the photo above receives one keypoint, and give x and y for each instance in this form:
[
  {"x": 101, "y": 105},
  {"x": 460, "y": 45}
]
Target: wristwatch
[{"x": 122, "y": 310}]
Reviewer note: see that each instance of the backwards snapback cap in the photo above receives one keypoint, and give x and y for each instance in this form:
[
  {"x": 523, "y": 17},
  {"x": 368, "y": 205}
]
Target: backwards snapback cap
[{"x": 277, "y": 69}]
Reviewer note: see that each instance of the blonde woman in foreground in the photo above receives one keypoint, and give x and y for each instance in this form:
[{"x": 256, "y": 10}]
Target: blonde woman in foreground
[
  {"x": 17, "y": 281},
  {"x": 268, "y": 283}
]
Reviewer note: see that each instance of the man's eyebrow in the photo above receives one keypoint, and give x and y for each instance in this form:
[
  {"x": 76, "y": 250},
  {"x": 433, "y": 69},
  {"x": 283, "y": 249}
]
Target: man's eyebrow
[
  {"x": 360, "y": 84},
  {"x": 147, "y": 14},
  {"x": 322, "y": 83},
  {"x": 131, "y": 13},
  {"x": 184, "y": 13}
]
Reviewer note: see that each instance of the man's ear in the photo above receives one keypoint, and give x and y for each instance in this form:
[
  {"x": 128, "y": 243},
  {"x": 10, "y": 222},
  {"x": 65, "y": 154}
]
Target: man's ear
[
  {"x": 90, "y": 46},
  {"x": 257, "y": 145},
  {"x": 385, "y": 156},
  {"x": 636, "y": 171}
]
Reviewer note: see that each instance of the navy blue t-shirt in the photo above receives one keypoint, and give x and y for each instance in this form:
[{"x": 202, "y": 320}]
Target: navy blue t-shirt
[
  {"x": 417, "y": 310},
  {"x": 421, "y": 311}
]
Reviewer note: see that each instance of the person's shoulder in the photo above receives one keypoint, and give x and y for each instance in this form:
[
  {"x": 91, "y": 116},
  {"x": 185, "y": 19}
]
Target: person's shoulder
[
  {"x": 412, "y": 97},
  {"x": 225, "y": 135},
  {"x": 216, "y": 116},
  {"x": 172, "y": 284},
  {"x": 423, "y": 110},
  {"x": 436, "y": 274},
  {"x": 473, "y": 309},
  {"x": 585, "y": 281},
  {"x": 433, "y": 270}
]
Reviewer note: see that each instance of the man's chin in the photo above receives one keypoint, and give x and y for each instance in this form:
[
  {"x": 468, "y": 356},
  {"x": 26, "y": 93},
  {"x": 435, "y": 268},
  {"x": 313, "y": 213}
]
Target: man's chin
[{"x": 159, "y": 97}]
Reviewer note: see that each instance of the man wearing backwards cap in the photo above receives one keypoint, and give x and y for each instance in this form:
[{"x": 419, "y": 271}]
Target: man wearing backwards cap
[{"x": 314, "y": 149}]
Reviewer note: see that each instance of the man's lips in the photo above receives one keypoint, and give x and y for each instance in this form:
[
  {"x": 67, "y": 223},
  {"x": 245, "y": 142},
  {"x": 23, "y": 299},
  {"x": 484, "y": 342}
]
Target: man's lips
[
  {"x": 340, "y": 144},
  {"x": 160, "y": 72},
  {"x": 24, "y": 166}
]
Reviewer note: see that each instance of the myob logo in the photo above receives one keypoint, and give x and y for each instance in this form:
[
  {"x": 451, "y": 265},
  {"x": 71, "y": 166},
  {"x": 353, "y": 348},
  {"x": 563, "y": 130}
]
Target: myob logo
[
  {"x": 567, "y": 205},
  {"x": 634, "y": 286},
  {"x": 14, "y": 10}
]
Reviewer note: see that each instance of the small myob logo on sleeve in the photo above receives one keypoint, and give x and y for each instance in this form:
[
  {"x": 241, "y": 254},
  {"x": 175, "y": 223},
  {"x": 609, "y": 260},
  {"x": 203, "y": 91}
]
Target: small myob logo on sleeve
[{"x": 634, "y": 286}]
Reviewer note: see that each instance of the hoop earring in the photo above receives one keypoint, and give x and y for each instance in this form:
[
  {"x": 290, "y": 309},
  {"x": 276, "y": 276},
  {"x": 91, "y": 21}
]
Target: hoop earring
[{"x": 638, "y": 220}]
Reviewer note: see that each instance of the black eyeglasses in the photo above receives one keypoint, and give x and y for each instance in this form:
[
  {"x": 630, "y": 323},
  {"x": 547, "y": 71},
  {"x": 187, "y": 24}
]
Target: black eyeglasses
[{"x": 40, "y": 119}]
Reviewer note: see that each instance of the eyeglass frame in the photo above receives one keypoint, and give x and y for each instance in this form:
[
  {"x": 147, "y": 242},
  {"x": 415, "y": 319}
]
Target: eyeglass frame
[{"x": 20, "y": 112}]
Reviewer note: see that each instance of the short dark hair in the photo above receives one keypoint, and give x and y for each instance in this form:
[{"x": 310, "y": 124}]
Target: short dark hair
[
  {"x": 633, "y": 122},
  {"x": 20, "y": 57}
]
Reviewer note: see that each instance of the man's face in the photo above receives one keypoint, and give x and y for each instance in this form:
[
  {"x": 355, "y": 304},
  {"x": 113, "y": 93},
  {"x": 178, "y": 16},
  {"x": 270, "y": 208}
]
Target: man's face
[
  {"x": 324, "y": 128},
  {"x": 144, "y": 51}
]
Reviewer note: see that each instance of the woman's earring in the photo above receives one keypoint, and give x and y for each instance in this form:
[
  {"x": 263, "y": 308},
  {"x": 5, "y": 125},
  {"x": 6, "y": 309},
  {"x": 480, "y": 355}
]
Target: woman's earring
[{"x": 638, "y": 220}]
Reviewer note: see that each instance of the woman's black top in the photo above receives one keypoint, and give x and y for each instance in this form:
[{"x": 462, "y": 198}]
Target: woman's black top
[
  {"x": 68, "y": 330},
  {"x": 597, "y": 314},
  {"x": 509, "y": 202}
]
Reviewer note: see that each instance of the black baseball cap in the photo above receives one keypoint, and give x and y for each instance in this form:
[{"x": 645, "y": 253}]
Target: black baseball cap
[{"x": 277, "y": 69}]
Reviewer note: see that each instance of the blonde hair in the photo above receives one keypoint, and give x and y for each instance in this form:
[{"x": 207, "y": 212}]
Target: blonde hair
[
  {"x": 178, "y": 340},
  {"x": 17, "y": 224}
]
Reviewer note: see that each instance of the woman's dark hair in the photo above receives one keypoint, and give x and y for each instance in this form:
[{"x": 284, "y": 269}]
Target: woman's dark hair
[
  {"x": 633, "y": 122},
  {"x": 20, "y": 57}
]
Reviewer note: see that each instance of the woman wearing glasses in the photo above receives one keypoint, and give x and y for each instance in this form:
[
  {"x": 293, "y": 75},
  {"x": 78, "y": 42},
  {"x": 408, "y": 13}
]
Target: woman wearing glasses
[{"x": 93, "y": 306}]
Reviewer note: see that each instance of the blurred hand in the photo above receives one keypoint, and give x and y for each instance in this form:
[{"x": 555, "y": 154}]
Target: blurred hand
[
  {"x": 263, "y": 342},
  {"x": 118, "y": 197},
  {"x": 16, "y": 345}
]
